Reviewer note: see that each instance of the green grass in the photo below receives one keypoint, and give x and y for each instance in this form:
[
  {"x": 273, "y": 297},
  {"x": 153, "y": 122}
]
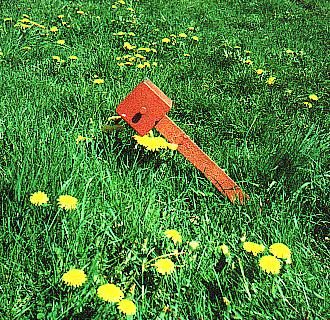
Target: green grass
[{"x": 268, "y": 140}]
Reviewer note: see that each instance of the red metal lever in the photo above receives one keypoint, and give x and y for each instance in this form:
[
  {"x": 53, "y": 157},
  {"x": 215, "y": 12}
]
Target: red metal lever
[
  {"x": 200, "y": 160},
  {"x": 145, "y": 108}
]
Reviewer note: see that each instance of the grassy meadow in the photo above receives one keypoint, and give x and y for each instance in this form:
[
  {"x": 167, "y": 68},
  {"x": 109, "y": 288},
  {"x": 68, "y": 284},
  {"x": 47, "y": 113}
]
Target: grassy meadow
[{"x": 249, "y": 84}]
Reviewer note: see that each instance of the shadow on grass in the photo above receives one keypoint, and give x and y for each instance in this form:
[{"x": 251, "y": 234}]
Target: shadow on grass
[{"x": 87, "y": 313}]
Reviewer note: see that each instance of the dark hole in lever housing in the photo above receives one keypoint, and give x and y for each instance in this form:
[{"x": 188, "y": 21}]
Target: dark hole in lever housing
[{"x": 137, "y": 118}]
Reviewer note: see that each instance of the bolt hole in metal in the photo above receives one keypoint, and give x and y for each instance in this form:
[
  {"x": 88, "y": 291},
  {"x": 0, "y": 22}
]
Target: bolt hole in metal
[{"x": 137, "y": 118}]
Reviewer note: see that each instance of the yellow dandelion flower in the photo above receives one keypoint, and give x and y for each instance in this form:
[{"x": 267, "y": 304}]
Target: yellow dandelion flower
[
  {"x": 74, "y": 277},
  {"x": 259, "y": 71},
  {"x": 271, "y": 80},
  {"x": 164, "y": 266},
  {"x": 166, "y": 40},
  {"x": 140, "y": 56},
  {"x": 39, "y": 198},
  {"x": 25, "y": 20},
  {"x": 25, "y": 26},
  {"x": 132, "y": 34},
  {"x": 182, "y": 35},
  {"x": 140, "y": 66},
  {"x": 118, "y": 58},
  {"x": 280, "y": 250},
  {"x": 248, "y": 61},
  {"x": 186, "y": 55},
  {"x": 144, "y": 49},
  {"x": 121, "y": 33},
  {"x": 121, "y": 64},
  {"x": 225, "y": 250},
  {"x": 53, "y": 29},
  {"x": 110, "y": 292},
  {"x": 98, "y": 81},
  {"x": 128, "y": 46},
  {"x": 80, "y": 12},
  {"x": 128, "y": 63},
  {"x": 127, "y": 307},
  {"x": 255, "y": 248},
  {"x": 61, "y": 42},
  {"x": 121, "y": 1},
  {"x": 270, "y": 264},
  {"x": 151, "y": 143},
  {"x": 26, "y": 15},
  {"x": 237, "y": 47},
  {"x": 57, "y": 58},
  {"x": 137, "y": 55},
  {"x": 73, "y": 57},
  {"x": 80, "y": 138},
  {"x": 147, "y": 64},
  {"x": 132, "y": 58},
  {"x": 142, "y": 140},
  {"x": 130, "y": 9},
  {"x": 194, "y": 244},
  {"x": 166, "y": 309},
  {"x": 195, "y": 38},
  {"x": 67, "y": 202},
  {"x": 313, "y": 97},
  {"x": 60, "y": 16},
  {"x": 226, "y": 301},
  {"x": 308, "y": 104},
  {"x": 153, "y": 50},
  {"x": 173, "y": 35},
  {"x": 289, "y": 51},
  {"x": 171, "y": 146},
  {"x": 114, "y": 6},
  {"x": 157, "y": 143},
  {"x": 247, "y": 51},
  {"x": 174, "y": 235},
  {"x": 162, "y": 143},
  {"x": 38, "y": 25}
]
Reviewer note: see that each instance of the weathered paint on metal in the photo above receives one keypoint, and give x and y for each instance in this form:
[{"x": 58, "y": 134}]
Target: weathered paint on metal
[
  {"x": 200, "y": 160},
  {"x": 144, "y": 106}
]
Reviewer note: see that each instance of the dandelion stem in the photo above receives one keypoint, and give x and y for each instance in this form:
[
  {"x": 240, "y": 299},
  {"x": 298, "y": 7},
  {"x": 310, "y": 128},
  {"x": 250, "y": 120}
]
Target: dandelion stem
[
  {"x": 246, "y": 286},
  {"x": 164, "y": 256},
  {"x": 282, "y": 295}
]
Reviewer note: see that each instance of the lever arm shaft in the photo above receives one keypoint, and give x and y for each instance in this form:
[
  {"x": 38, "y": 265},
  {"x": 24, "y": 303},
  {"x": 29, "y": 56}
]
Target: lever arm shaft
[{"x": 200, "y": 160}]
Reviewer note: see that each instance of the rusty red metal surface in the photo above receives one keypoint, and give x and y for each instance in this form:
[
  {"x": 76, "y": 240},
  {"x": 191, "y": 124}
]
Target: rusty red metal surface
[
  {"x": 200, "y": 160},
  {"x": 145, "y": 108}
]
